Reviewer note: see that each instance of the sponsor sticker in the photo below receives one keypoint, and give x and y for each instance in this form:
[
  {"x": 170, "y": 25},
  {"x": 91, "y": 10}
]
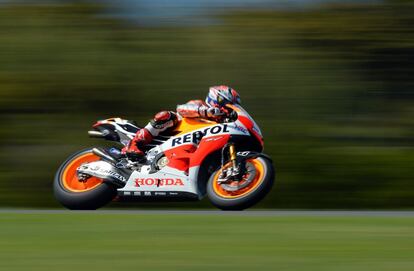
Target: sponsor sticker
[
  {"x": 158, "y": 182},
  {"x": 198, "y": 135},
  {"x": 241, "y": 129}
]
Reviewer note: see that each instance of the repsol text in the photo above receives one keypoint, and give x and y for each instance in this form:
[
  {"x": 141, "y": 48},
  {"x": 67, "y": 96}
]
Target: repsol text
[{"x": 198, "y": 135}]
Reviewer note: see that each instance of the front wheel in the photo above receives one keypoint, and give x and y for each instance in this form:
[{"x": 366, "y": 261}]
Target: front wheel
[
  {"x": 81, "y": 195},
  {"x": 242, "y": 194}
]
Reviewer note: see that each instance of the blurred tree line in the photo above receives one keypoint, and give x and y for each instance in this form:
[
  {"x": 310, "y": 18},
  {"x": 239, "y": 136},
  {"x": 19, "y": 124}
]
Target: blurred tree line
[{"x": 331, "y": 88}]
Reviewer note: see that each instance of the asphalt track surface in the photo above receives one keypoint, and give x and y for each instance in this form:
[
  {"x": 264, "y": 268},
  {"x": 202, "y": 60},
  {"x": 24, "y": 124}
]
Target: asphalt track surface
[{"x": 258, "y": 213}]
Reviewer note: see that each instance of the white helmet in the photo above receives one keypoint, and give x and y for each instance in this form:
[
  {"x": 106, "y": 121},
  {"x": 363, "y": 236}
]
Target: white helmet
[{"x": 222, "y": 95}]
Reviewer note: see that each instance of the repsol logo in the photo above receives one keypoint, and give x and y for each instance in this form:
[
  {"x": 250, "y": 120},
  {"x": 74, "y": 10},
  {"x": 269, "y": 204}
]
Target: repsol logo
[
  {"x": 198, "y": 135},
  {"x": 158, "y": 182}
]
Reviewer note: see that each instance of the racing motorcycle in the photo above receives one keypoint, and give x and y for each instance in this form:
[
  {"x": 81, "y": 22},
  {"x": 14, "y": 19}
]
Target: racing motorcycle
[{"x": 199, "y": 157}]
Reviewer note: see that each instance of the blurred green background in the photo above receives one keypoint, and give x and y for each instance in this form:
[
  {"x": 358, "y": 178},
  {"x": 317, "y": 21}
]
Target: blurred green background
[
  {"x": 330, "y": 84},
  {"x": 232, "y": 241}
]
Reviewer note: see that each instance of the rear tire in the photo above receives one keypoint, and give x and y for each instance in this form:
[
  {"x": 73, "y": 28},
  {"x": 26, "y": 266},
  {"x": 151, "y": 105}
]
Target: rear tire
[
  {"x": 240, "y": 200},
  {"x": 92, "y": 196}
]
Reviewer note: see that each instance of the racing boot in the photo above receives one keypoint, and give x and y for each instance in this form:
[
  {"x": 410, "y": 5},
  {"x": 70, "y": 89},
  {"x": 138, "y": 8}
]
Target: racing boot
[{"x": 134, "y": 148}]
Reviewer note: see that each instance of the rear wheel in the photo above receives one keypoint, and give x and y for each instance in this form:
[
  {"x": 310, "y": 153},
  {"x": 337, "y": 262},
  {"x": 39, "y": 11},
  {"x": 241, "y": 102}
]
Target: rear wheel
[
  {"x": 243, "y": 193},
  {"x": 75, "y": 194}
]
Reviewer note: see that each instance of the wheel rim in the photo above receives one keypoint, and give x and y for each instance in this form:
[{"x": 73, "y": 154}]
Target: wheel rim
[
  {"x": 257, "y": 179},
  {"x": 70, "y": 179}
]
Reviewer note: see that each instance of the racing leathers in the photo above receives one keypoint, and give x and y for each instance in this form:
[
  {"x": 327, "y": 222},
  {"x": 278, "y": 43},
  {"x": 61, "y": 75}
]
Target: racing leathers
[{"x": 169, "y": 119}]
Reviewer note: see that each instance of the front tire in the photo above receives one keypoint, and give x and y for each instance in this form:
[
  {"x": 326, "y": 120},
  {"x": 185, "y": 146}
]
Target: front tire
[
  {"x": 76, "y": 195},
  {"x": 226, "y": 198}
]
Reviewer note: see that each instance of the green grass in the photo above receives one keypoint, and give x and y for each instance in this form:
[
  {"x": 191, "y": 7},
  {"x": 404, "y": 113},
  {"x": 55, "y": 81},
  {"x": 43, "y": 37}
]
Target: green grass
[{"x": 85, "y": 241}]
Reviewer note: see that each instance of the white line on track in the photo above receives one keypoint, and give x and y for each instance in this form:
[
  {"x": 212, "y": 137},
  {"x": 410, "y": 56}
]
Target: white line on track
[{"x": 279, "y": 213}]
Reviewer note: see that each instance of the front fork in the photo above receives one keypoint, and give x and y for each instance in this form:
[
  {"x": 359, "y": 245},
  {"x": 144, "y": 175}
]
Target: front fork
[{"x": 233, "y": 172}]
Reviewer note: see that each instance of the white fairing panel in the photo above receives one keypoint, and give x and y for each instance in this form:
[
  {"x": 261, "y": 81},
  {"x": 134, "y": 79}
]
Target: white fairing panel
[{"x": 165, "y": 180}]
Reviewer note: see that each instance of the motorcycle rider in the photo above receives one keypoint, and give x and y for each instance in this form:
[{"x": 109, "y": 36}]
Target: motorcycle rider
[{"x": 212, "y": 108}]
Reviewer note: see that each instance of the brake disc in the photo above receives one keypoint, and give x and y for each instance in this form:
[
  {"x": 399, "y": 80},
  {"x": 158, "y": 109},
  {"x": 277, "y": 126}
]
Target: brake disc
[{"x": 234, "y": 185}]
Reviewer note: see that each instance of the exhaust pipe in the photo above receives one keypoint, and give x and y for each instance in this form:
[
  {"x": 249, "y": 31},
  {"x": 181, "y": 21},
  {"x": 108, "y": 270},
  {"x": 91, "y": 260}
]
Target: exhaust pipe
[
  {"x": 103, "y": 155},
  {"x": 96, "y": 134}
]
